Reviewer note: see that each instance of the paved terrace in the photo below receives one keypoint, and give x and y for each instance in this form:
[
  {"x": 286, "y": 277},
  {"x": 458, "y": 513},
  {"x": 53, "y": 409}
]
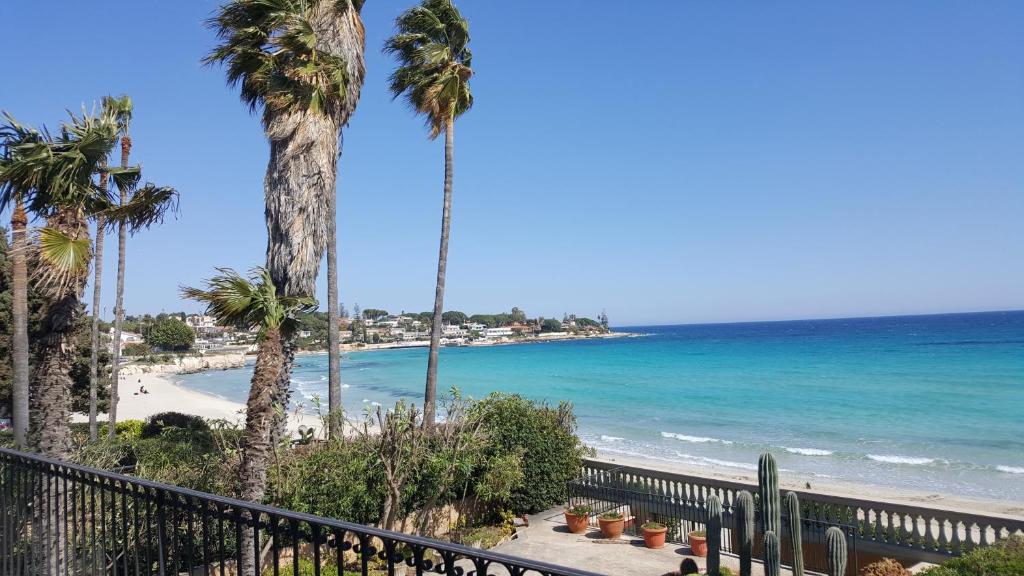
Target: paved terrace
[{"x": 548, "y": 540}]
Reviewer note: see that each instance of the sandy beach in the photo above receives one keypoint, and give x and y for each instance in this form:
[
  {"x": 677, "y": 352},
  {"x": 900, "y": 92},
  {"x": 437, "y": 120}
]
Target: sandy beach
[
  {"x": 167, "y": 396},
  {"x": 789, "y": 480}
]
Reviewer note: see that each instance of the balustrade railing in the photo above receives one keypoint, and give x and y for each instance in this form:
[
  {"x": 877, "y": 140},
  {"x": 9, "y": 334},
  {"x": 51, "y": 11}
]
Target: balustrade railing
[
  {"x": 62, "y": 518},
  {"x": 922, "y": 532}
]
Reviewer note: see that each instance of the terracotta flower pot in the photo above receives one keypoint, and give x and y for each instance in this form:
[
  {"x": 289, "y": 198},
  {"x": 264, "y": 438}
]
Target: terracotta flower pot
[
  {"x": 611, "y": 528},
  {"x": 698, "y": 544},
  {"x": 576, "y": 524},
  {"x": 654, "y": 537}
]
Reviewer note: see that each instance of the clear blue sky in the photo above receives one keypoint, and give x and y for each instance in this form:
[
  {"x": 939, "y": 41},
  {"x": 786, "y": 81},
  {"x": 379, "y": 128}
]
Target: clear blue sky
[{"x": 667, "y": 161}]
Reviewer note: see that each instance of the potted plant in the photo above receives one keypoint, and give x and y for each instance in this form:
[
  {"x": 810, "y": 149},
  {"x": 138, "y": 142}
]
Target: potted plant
[
  {"x": 577, "y": 518},
  {"x": 698, "y": 542},
  {"x": 612, "y": 523},
  {"x": 654, "y": 534}
]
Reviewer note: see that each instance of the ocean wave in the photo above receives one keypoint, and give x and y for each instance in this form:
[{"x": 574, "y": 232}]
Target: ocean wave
[
  {"x": 1011, "y": 469},
  {"x": 605, "y": 438},
  {"x": 704, "y": 460},
  {"x": 809, "y": 451},
  {"x": 892, "y": 459},
  {"x": 693, "y": 439}
]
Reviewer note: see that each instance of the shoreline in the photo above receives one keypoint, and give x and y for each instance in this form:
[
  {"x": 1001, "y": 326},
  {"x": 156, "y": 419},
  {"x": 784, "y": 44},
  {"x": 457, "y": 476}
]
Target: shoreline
[
  {"x": 795, "y": 481},
  {"x": 166, "y": 395},
  {"x": 555, "y": 337}
]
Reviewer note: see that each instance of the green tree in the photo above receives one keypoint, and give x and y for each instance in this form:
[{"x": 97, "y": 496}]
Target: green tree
[
  {"x": 374, "y": 314},
  {"x": 171, "y": 334},
  {"x": 454, "y": 317},
  {"x": 517, "y": 315},
  {"x": 551, "y": 325},
  {"x": 302, "y": 63},
  {"x": 434, "y": 68},
  {"x": 487, "y": 320},
  {"x": 253, "y": 302}
]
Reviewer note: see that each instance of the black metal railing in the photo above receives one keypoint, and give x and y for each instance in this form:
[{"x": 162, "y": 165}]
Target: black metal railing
[
  {"x": 62, "y": 518},
  {"x": 641, "y": 499}
]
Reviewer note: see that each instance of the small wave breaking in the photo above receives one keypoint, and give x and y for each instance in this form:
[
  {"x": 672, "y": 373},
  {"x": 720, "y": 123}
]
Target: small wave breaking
[
  {"x": 693, "y": 439},
  {"x": 1011, "y": 469},
  {"x": 809, "y": 451},
  {"x": 606, "y": 438},
  {"x": 893, "y": 459}
]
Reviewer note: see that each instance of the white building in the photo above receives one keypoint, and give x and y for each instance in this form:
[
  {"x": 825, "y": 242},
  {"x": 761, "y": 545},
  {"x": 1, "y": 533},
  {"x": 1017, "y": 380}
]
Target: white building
[
  {"x": 452, "y": 331},
  {"x": 476, "y": 326},
  {"x": 499, "y": 332}
]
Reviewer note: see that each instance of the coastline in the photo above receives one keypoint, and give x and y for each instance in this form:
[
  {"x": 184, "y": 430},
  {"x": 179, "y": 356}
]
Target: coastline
[
  {"x": 541, "y": 339},
  {"x": 796, "y": 481},
  {"x": 166, "y": 395}
]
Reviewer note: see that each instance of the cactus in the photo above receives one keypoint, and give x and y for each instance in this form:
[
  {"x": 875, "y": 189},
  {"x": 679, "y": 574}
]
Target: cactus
[
  {"x": 744, "y": 516},
  {"x": 772, "y": 561},
  {"x": 768, "y": 489},
  {"x": 713, "y": 534},
  {"x": 795, "y": 537},
  {"x": 835, "y": 546}
]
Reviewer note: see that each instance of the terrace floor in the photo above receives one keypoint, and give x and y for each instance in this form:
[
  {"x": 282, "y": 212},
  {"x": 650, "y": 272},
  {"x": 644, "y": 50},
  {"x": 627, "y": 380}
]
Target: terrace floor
[{"x": 548, "y": 540}]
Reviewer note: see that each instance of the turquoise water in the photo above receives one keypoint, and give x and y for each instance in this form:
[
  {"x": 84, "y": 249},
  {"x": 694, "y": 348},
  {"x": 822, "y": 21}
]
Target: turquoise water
[{"x": 925, "y": 402}]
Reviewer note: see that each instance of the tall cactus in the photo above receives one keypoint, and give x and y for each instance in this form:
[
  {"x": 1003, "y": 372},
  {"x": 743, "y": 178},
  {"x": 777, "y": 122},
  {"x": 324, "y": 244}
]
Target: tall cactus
[
  {"x": 795, "y": 536},
  {"x": 835, "y": 545},
  {"x": 713, "y": 534},
  {"x": 772, "y": 559},
  {"x": 768, "y": 489},
  {"x": 743, "y": 513}
]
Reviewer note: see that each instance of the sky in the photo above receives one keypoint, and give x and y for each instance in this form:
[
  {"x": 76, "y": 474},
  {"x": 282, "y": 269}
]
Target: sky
[{"x": 665, "y": 161}]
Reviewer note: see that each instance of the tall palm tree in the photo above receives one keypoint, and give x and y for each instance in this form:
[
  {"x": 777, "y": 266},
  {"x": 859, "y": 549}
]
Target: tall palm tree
[
  {"x": 254, "y": 303},
  {"x": 66, "y": 195},
  {"x": 301, "y": 62},
  {"x": 19, "y": 174},
  {"x": 94, "y": 336},
  {"x": 434, "y": 68}
]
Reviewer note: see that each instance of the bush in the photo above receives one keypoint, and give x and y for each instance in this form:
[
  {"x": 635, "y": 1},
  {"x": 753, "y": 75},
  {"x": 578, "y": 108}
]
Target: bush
[
  {"x": 1004, "y": 558},
  {"x": 136, "y": 349},
  {"x": 124, "y": 429},
  {"x": 306, "y": 568},
  {"x": 545, "y": 440},
  {"x": 171, "y": 334},
  {"x": 157, "y": 423},
  {"x": 613, "y": 515},
  {"x": 885, "y": 567},
  {"x": 339, "y": 480},
  {"x": 579, "y": 510}
]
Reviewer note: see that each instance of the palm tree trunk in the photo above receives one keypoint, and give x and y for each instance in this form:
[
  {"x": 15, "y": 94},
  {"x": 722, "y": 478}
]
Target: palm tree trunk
[
  {"x": 122, "y": 240},
  {"x": 94, "y": 359},
  {"x": 430, "y": 395},
  {"x": 257, "y": 445},
  {"x": 19, "y": 399},
  {"x": 50, "y": 396},
  {"x": 334, "y": 426}
]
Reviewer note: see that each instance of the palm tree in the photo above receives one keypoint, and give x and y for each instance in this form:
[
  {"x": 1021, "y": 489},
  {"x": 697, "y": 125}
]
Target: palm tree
[
  {"x": 66, "y": 195},
  {"x": 300, "y": 62},
  {"x": 19, "y": 174},
  {"x": 138, "y": 209},
  {"x": 434, "y": 68},
  {"x": 254, "y": 303}
]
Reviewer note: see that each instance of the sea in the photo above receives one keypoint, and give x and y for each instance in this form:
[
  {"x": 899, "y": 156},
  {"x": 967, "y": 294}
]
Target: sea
[{"x": 932, "y": 403}]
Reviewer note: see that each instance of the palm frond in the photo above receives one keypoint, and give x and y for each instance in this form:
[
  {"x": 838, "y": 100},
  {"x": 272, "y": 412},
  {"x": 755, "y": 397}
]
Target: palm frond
[
  {"x": 125, "y": 178},
  {"x": 249, "y": 301},
  {"x": 434, "y": 62},
  {"x": 63, "y": 260},
  {"x": 147, "y": 206}
]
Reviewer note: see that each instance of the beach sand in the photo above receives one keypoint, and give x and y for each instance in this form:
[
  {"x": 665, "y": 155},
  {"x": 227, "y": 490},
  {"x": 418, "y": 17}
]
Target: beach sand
[
  {"x": 166, "y": 396},
  {"x": 793, "y": 481}
]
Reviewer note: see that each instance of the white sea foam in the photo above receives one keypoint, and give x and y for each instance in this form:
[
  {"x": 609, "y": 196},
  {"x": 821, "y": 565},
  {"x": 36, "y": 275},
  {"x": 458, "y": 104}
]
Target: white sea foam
[
  {"x": 892, "y": 459},
  {"x": 704, "y": 460},
  {"x": 809, "y": 451},
  {"x": 1011, "y": 469},
  {"x": 693, "y": 439},
  {"x": 365, "y": 400},
  {"x": 344, "y": 385},
  {"x": 606, "y": 438},
  {"x": 375, "y": 403}
]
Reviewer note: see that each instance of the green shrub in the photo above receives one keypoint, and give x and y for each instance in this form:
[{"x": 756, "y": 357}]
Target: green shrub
[
  {"x": 545, "y": 439},
  {"x": 6, "y": 439},
  {"x": 157, "y": 424},
  {"x": 579, "y": 510},
  {"x": 338, "y": 480},
  {"x": 124, "y": 428},
  {"x": 612, "y": 515},
  {"x": 136, "y": 349},
  {"x": 1004, "y": 558}
]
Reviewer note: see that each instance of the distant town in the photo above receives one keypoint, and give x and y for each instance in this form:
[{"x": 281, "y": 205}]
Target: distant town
[{"x": 368, "y": 328}]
